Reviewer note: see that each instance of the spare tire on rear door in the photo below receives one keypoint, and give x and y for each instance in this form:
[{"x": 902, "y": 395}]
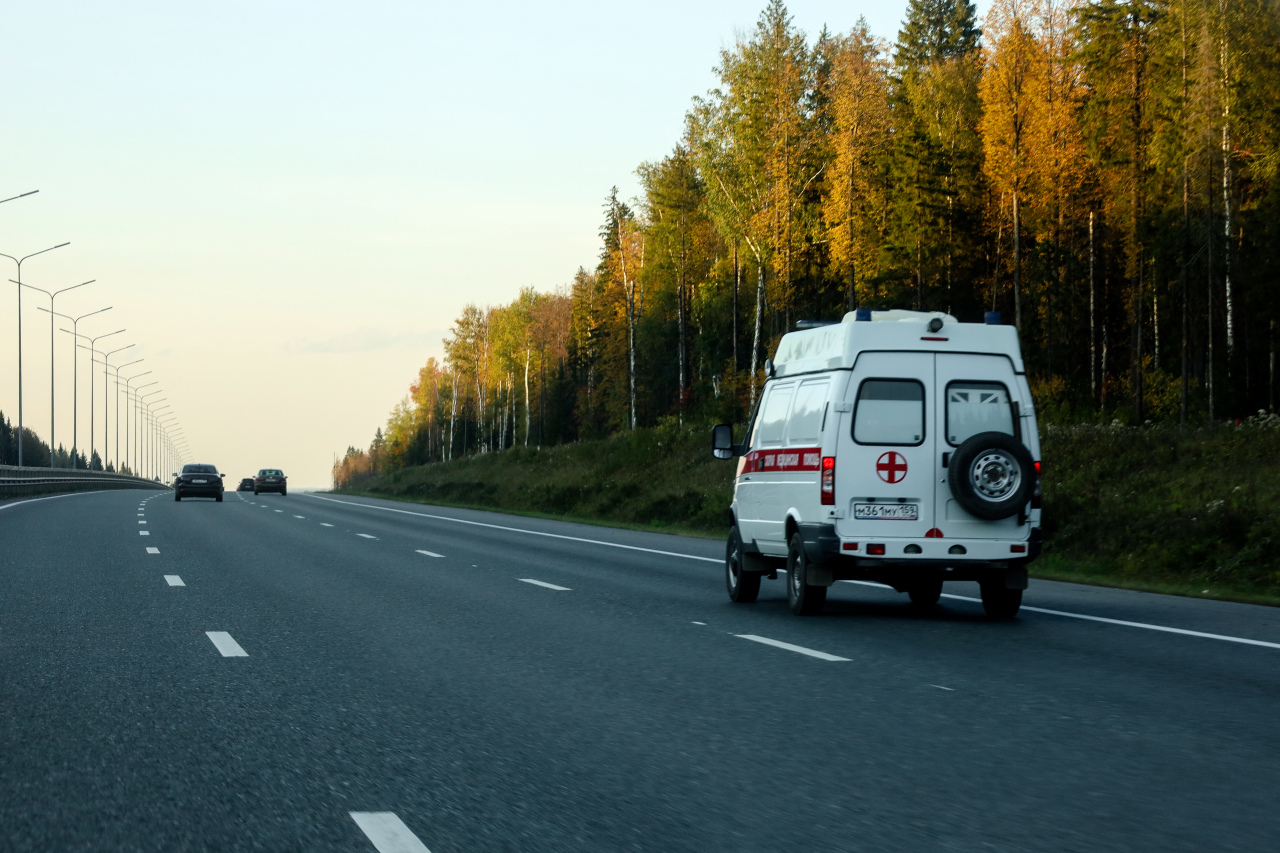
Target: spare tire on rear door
[{"x": 992, "y": 475}]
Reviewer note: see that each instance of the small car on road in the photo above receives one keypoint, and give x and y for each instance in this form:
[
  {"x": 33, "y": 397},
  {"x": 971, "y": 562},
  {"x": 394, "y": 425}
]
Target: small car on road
[
  {"x": 270, "y": 480},
  {"x": 198, "y": 480},
  {"x": 246, "y": 485}
]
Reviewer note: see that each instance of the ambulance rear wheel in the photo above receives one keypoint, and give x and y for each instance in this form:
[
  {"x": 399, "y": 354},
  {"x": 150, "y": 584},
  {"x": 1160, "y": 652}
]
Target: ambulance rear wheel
[
  {"x": 925, "y": 593},
  {"x": 999, "y": 602},
  {"x": 743, "y": 586},
  {"x": 805, "y": 598}
]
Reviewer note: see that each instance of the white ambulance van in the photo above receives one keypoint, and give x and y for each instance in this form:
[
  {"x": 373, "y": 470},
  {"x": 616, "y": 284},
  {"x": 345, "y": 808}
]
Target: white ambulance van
[{"x": 897, "y": 447}]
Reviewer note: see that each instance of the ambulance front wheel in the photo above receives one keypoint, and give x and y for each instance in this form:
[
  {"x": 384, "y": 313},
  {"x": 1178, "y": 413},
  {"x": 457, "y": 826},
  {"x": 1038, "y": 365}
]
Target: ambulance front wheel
[
  {"x": 926, "y": 592},
  {"x": 743, "y": 586},
  {"x": 805, "y": 599}
]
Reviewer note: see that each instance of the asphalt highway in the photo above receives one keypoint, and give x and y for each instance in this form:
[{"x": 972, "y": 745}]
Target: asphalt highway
[{"x": 319, "y": 673}]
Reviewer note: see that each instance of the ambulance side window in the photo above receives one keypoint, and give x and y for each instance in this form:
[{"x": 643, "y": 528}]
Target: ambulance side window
[
  {"x": 806, "y": 415},
  {"x": 974, "y": 407},
  {"x": 889, "y": 411},
  {"x": 772, "y": 422}
]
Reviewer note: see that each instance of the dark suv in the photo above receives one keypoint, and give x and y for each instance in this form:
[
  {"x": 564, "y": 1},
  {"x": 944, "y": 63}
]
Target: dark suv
[
  {"x": 246, "y": 485},
  {"x": 198, "y": 480},
  {"x": 270, "y": 480}
]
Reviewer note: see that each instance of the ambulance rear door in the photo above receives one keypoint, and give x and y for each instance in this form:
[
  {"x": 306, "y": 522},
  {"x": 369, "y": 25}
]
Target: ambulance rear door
[
  {"x": 886, "y": 457},
  {"x": 978, "y": 393}
]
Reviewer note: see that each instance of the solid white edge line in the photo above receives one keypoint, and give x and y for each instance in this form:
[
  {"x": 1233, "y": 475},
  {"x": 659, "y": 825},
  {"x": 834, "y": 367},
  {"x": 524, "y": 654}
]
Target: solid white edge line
[
  {"x": 174, "y": 580},
  {"x": 1122, "y": 622},
  {"x": 544, "y": 583},
  {"x": 388, "y": 832},
  {"x": 223, "y": 642},
  {"x": 429, "y": 553},
  {"x": 798, "y": 649},
  {"x": 153, "y": 550},
  {"x": 520, "y": 530},
  {"x": 53, "y": 497}
]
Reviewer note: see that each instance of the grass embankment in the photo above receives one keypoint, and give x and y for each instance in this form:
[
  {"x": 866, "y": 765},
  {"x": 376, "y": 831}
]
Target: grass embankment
[{"x": 1192, "y": 512}]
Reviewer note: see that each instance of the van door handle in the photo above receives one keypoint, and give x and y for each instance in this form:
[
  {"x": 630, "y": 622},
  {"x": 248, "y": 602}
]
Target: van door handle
[{"x": 946, "y": 459}]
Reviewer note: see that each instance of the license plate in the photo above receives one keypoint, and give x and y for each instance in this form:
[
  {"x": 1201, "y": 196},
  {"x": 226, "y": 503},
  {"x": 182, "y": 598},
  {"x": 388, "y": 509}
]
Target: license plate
[
  {"x": 886, "y": 512},
  {"x": 200, "y": 481}
]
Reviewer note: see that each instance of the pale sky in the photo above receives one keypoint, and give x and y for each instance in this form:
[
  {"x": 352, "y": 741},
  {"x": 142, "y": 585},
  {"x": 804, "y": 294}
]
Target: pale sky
[{"x": 287, "y": 204}]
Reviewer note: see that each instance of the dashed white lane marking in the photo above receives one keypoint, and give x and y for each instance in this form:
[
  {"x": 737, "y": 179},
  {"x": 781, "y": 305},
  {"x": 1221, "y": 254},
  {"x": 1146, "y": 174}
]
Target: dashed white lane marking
[
  {"x": 144, "y": 532},
  {"x": 429, "y": 553},
  {"x": 174, "y": 580},
  {"x": 279, "y": 510},
  {"x": 325, "y": 524},
  {"x": 699, "y": 623},
  {"x": 940, "y": 687},
  {"x": 798, "y": 649},
  {"x": 299, "y": 516},
  {"x": 142, "y": 522},
  {"x": 366, "y": 536},
  {"x": 544, "y": 583},
  {"x": 388, "y": 832},
  {"x": 1123, "y": 622},
  {"x": 140, "y": 515},
  {"x": 523, "y": 530},
  {"x": 153, "y": 550},
  {"x": 229, "y": 647}
]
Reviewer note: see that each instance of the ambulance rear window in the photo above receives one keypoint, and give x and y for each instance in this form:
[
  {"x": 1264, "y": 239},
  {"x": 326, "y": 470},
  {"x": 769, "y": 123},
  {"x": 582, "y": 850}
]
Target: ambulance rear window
[
  {"x": 974, "y": 407},
  {"x": 889, "y": 411}
]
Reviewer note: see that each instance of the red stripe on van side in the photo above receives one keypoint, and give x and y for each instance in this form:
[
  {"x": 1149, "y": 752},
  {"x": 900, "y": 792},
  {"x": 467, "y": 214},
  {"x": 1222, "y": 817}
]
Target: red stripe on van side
[{"x": 790, "y": 459}]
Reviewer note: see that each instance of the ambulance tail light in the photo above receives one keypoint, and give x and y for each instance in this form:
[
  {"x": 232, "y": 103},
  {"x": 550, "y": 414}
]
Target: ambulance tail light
[
  {"x": 1035, "y": 495},
  {"x": 828, "y": 481}
]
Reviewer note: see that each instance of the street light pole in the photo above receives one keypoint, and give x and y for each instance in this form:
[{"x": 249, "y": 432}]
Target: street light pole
[
  {"x": 144, "y": 424},
  {"x": 127, "y": 381},
  {"x": 52, "y": 397},
  {"x": 92, "y": 352},
  {"x": 131, "y": 446},
  {"x": 75, "y": 383},
  {"x": 19, "y": 261},
  {"x": 106, "y": 403}
]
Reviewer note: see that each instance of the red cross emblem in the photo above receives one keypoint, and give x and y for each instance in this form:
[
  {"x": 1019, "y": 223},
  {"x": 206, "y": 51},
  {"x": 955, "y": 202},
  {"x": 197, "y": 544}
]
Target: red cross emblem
[{"x": 892, "y": 467}]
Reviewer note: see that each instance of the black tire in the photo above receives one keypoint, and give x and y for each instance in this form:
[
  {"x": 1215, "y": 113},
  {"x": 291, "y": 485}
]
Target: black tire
[
  {"x": 992, "y": 475},
  {"x": 176, "y": 496},
  {"x": 925, "y": 592},
  {"x": 999, "y": 602},
  {"x": 284, "y": 492},
  {"x": 743, "y": 586},
  {"x": 255, "y": 492},
  {"x": 219, "y": 497},
  {"x": 805, "y": 598}
]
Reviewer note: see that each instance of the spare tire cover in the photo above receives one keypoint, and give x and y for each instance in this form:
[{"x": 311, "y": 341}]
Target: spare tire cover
[{"x": 992, "y": 475}]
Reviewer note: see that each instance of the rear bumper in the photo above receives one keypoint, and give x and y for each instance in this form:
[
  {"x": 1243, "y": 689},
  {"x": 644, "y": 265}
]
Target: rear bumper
[
  {"x": 198, "y": 491},
  {"x": 271, "y": 487},
  {"x": 822, "y": 545}
]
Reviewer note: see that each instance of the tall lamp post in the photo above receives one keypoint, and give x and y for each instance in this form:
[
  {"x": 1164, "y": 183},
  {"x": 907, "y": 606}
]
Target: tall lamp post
[
  {"x": 19, "y": 261},
  {"x": 75, "y": 381},
  {"x": 106, "y": 403},
  {"x": 144, "y": 425},
  {"x": 52, "y": 397},
  {"x": 130, "y": 446},
  {"x": 92, "y": 361},
  {"x": 159, "y": 418},
  {"x": 128, "y": 381}
]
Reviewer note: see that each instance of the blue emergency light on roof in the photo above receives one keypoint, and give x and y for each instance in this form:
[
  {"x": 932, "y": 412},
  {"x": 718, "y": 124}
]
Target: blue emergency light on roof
[
  {"x": 992, "y": 318},
  {"x": 863, "y": 315}
]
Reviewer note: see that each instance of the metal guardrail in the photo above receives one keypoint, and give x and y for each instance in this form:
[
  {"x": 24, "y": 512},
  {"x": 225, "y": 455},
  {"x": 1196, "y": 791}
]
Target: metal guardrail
[{"x": 15, "y": 481}]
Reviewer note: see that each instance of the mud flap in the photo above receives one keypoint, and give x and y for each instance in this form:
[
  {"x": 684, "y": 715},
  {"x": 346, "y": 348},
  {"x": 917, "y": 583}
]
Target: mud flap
[{"x": 820, "y": 575}]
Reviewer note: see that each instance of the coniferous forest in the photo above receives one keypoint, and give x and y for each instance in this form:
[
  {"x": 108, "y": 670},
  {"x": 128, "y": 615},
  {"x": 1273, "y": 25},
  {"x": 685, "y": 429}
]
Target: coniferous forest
[{"x": 1106, "y": 174}]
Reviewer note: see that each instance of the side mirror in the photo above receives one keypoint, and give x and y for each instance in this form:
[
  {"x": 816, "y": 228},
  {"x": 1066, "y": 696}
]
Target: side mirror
[
  {"x": 175, "y": 473},
  {"x": 722, "y": 446},
  {"x": 222, "y": 475}
]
